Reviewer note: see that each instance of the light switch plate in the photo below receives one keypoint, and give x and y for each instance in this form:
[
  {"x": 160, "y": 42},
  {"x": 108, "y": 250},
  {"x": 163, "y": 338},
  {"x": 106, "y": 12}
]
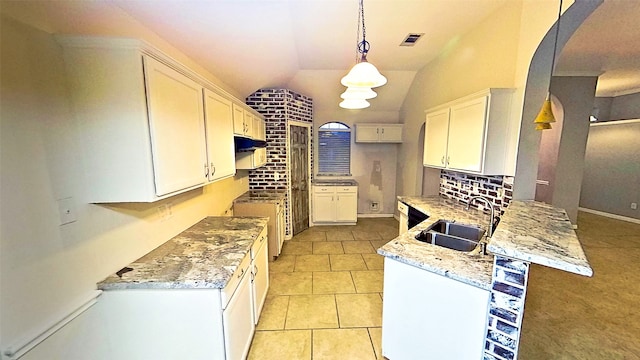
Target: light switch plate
[{"x": 67, "y": 210}]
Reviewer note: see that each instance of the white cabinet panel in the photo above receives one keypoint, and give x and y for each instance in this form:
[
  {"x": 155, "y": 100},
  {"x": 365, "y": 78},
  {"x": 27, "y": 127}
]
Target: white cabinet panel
[
  {"x": 238, "y": 321},
  {"x": 421, "y": 325},
  {"x": 335, "y": 204},
  {"x": 176, "y": 124},
  {"x": 436, "y": 138},
  {"x": 260, "y": 278},
  {"x": 378, "y": 133},
  {"x": 473, "y": 134},
  {"x": 238, "y": 120},
  {"x": 219, "y": 132},
  {"x": 467, "y": 124}
]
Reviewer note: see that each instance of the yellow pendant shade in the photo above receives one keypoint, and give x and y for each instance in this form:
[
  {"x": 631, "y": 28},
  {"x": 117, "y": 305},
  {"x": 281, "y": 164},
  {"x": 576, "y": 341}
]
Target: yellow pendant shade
[
  {"x": 543, "y": 126},
  {"x": 545, "y": 116}
]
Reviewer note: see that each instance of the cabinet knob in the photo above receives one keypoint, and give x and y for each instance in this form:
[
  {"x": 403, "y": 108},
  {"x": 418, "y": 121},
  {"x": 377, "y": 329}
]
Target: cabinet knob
[
  {"x": 213, "y": 169},
  {"x": 442, "y": 160},
  {"x": 448, "y": 160},
  {"x": 206, "y": 170},
  {"x": 241, "y": 273}
]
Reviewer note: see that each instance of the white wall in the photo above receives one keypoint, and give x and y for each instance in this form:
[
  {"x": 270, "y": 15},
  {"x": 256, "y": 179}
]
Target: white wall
[
  {"x": 612, "y": 170},
  {"x": 363, "y": 157},
  {"x": 45, "y": 267},
  {"x": 485, "y": 57}
]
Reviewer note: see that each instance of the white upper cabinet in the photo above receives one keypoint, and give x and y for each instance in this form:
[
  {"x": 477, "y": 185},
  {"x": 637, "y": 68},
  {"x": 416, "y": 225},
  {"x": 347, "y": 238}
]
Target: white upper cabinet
[
  {"x": 176, "y": 125},
  {"x": 378, "y": 133},
  {"x": 141, "y": 121},
  {"x": 219, "y": 130},
  {"x": 473, "y": 134},
  {"x": 247, "y": 124}
]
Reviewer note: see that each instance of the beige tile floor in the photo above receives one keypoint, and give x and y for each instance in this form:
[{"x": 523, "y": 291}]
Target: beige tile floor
[
  {"x": 325, "y": 298},
  {"x": 572, "y": 317},
  {"x": 325, "y": 295}
]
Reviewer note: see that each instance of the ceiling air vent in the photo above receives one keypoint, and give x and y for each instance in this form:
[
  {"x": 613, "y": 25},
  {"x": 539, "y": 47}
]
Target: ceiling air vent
[{"x": 411, "y": 39}]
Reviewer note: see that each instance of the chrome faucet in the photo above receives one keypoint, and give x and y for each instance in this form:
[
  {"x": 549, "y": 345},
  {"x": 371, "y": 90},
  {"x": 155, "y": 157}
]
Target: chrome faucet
[{"x": 490, "y": 205}]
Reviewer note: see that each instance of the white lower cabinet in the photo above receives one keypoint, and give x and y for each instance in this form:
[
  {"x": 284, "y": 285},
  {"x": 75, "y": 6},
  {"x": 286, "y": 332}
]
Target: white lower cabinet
[
  {"x": 335, "y": 204},
  {"x": 237, "y": 317},
  {"x": 259, "y": 276},
  {"x": 211, "y": 324},
  {"x": 429, "y": 316}
]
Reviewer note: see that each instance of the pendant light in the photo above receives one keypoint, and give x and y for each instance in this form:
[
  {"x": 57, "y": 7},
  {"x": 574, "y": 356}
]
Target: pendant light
[
  {"x": 363, "y": 75},
  {"x": 354, "y": 104},
  {"x": 545, "y": 116}
]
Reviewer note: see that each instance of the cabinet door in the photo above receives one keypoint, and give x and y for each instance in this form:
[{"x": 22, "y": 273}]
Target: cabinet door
[
  {"x": 390, "y": 133},
  {"x": 260, "y": 273},
  {"x": 367, "y": 133},
  {"x": 467, "y": 124},
  {"x": 248, "y": 124},
  {"x": 436, "y": 132},
  {"x": 324, "y": 208},
  {"x": 238, "y": 321},
  {"x": 219, "y": 131},
  {"x": 238, "y": 120},
  {"x": 347, "y": 207},
  {"x": 177, "y": 128},
  {"x": 259, "y": 128}
]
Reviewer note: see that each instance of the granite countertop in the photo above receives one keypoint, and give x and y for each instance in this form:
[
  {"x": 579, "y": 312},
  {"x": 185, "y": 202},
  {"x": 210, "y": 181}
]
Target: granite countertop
[
  {"x": 472, "y": 268},
  {"x": 204, "y": 256},
  {"x": 335, "y": 182},
  {"x": 261, "y": 196},
  {"x": 541, "y": 234}
]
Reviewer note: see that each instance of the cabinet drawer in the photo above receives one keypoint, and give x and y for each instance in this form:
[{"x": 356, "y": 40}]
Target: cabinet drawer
[
  {"x": 403, "y": 208},
  {"x": 346, "y": 189},
  {"x": 323, "y": 189},
  {"x": 232, "y": 285},
  {"x": 261, "y": 240}
]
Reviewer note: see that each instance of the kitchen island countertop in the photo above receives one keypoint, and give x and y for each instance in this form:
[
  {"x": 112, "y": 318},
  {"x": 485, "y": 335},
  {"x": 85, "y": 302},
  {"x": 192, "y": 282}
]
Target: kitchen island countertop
[
  {"x": 204, "y": 256},
  {"x": 472, "y": 268}
]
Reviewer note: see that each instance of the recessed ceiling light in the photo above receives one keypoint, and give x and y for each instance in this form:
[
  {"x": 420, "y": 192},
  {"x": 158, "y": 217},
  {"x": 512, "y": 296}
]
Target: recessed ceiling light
[{"x": 411, "y": 39}]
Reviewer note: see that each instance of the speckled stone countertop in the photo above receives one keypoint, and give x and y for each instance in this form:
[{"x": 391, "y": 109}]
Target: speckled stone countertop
[
  {"x": 261, "y": 196},
  {"x": 335, "y": 182},
  {"x": 472, "y": 268},
  {"x": 203, "y": 256},
  {"x": 541, "y": 234}
]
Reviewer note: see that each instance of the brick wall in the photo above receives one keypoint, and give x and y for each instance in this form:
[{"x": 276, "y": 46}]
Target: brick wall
[
  {"x": 506, "y": 309},
  {"x": 278, "y": 106},
  {"x": 497, "y": 188}
]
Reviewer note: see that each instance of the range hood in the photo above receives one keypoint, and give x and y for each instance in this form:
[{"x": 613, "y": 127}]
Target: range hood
[{"x": 243, "y": 144}]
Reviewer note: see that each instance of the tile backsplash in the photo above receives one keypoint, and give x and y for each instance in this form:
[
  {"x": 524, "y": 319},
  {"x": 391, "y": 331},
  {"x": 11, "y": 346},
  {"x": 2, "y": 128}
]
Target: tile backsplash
[{"x": 460, "y": 186}]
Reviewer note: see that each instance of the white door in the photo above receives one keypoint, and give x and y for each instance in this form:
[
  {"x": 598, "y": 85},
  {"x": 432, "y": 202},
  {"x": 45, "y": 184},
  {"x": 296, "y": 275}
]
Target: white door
[
  {"x": 238, "y": 321},
  {"x": 177, "y": 128},
  {"x": 324, "y": 208},
  {"x": 466, "y": 135},
  {"x": 219, "y": 131},
  {"x": 260, "y": 274},
  {"x": 238, "y": 120},
  {"x": 435, "y": 138}
]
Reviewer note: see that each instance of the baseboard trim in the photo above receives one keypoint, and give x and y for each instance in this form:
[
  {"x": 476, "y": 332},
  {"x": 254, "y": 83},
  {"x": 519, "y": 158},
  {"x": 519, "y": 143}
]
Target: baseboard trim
[
  {"x": 375, "y": 215},
  {"x": 609, "y": 215}
]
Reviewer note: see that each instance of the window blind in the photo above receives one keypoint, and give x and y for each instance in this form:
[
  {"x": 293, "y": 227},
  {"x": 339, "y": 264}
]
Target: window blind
[{"x": 334, "y": 148}]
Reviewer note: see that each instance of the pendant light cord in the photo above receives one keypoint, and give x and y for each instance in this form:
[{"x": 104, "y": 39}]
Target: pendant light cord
[
  {"x": 555, "y": 44},
  {"x": 362, "y": 46}
]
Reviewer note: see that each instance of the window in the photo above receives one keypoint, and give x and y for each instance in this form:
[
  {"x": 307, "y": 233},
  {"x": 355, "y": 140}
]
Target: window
[{"x": 334, "y": 149}]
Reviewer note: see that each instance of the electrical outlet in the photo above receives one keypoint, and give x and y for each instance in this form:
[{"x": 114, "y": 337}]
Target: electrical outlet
[
  {"x": 634, "y": 206},
  {"x": 276, "y": 176},
  {"x": 375, "y": 205}
]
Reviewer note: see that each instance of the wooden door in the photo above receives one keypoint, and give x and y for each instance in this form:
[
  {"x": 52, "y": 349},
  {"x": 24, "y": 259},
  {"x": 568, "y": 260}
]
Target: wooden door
[{"x": 299, "y": 162}]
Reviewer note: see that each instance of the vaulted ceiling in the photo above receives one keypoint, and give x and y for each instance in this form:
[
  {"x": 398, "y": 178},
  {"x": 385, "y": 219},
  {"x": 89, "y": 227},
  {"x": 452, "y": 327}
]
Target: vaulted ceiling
[{"x": 308, "y": 45}]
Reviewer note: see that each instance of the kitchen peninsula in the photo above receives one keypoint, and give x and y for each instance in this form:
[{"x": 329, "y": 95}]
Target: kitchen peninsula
[
  {"x": 197, "y": 296},
  {"x": 452, "y": 304}
]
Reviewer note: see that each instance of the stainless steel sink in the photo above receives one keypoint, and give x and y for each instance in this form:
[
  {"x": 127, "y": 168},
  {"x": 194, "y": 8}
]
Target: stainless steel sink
[
  {"x": 469, "y": 232},
  {"x": 451, "y": 235}
]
